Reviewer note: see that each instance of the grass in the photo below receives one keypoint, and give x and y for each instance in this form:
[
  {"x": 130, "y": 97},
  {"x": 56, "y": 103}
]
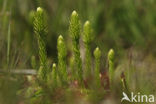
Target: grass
[{"x": 8, "y": 44}]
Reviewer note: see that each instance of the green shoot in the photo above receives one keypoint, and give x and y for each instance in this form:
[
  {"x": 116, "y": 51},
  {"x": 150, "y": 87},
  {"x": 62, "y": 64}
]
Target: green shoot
[
  {"x": 74, "y": 29},
  {"x": 97, "y": 55},
  {"x": 87, "y": 38},
  {"x": 52, "y": 78},
  {"x": 111, "y": 65},
  {"x": 62, "y": 58},
  {"x": 40, "y": 29}
]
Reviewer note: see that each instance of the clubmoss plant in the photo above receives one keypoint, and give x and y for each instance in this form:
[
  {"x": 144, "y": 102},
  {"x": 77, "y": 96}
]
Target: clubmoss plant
[
  {"x": 87, "y": 39},
  {"x": 40, "y": 29},
  {"x": 61, "y": 48},
  {"x": 111, "y": 65},
  {"x": 52, "y": 78},
  {"x": 97, "y": 55},
  {"x": 74, "y": 30}
]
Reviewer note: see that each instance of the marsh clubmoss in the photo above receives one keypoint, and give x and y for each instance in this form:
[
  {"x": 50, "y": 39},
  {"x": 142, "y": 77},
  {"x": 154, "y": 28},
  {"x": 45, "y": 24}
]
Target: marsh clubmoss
[
  {"x": 87, "y": 39},
  {"x": 111, "y": 65},
  {"x": 97, "y": 55},
  {"x": 62, "y": 54},
  {"x": 40, "y": 29},
  {"x": 52, "y": 77},
  {"x": 74, "y": 30}
]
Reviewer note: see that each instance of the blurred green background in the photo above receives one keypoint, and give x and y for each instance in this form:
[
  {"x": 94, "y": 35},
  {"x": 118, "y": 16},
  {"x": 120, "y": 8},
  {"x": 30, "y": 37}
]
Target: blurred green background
[{"x": 127, "y": 26}]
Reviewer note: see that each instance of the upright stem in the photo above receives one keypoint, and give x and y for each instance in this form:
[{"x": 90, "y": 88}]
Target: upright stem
[
  {"x": 75, "y": 35},
  {"x": 40, "y": 29},
  {"x": 87, "y": 38},
  {"x": 111, "y": 66},
  {"x": 97, "y": 55},
  {"x": 87, "y": 61},
  {"x": 62, "y": 59},
  {"x": 77, "y": 61},
  {"x": 52, "y": 77}
]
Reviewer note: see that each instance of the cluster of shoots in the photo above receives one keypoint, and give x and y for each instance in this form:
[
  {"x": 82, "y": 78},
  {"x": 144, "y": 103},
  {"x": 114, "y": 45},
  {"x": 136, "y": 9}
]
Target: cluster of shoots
[{"x": 59, "y": 75}]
